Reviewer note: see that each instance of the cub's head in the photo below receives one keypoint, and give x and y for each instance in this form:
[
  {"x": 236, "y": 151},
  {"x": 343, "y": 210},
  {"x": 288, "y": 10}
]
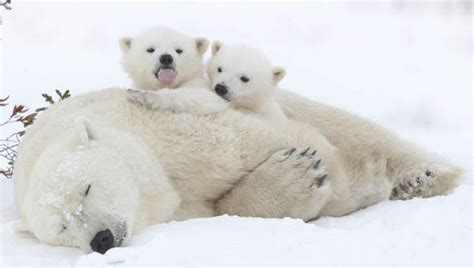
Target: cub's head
[
  {"x": 162, "y": 58},
  {"x": 242, "y": 75},
  {"x": 91, "y": 191}
]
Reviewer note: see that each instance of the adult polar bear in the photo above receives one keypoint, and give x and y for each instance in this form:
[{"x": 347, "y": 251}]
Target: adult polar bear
[
  {"x": 95, "y": 168},
  {"x": 366, "y": 148},
  {"x": 106, "y": 173}
]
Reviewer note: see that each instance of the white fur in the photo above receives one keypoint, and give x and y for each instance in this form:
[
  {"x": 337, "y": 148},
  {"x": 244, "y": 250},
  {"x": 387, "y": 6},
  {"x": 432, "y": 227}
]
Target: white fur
[
  {"x": 255, "y": 96},
  {"x": 144, "y": 166},
  {"x": 147, "y": 167},
  {"x": 367, "y": 149},
  {"x": 230, "y": 63},
  {"x": 142, "y": 65}
]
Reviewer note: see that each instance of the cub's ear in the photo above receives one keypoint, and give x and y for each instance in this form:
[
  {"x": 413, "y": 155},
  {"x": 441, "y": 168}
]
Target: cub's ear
[
  {"x": 125, "y": 44},
  {"x": 201, "y": 45},
  {"x": 278, "y": 74},
  {"x": 216, "y": 46},
  {"x": 85, "y": 129},
  {"x": 21, "y": 226}
]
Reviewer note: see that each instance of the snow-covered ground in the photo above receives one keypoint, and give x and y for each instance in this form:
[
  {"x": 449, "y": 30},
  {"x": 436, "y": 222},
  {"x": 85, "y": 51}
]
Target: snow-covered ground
[{"x": 405, "y": 66}]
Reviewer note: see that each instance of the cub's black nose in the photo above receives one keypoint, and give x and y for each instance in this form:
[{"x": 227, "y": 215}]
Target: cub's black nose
[
  {"x": 103, "y": 241},
  {"x": 166, "y": 59},
  {"x": 220, "y": 89}
]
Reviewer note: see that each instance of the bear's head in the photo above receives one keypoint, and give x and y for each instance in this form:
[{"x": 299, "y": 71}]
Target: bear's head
[
  {"x": 242, "y": 75},
  {"x": 162, "y": 58},
  {"x": 94, "y": 189}
]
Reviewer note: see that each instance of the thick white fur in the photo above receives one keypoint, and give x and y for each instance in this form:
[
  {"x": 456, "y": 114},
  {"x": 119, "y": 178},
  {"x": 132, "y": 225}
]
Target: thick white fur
[
  {"x": 397, "y": 169},
  {"x": 145, "y": 167},
  {"x": 253, "y": 97},
  {"x": 141, "y": 65},
  {"x": 229, "y": 64}
]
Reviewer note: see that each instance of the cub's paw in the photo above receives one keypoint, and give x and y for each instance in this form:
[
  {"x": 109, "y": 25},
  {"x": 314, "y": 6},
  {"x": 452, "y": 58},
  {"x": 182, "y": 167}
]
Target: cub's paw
[
  {"x": 418, "y": 184},
  {"x": 137, "y": 96},
  {"x": 305, "y": 165}
]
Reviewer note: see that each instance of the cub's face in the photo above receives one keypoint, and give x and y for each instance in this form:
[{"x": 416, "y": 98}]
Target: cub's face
[
  {"x": 242, "y": 75},
  {"x": 162, "y": 58}
]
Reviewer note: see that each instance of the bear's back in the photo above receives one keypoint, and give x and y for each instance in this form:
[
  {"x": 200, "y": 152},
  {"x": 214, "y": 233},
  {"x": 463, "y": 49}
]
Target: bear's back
[{"x": 202, "y": 154}]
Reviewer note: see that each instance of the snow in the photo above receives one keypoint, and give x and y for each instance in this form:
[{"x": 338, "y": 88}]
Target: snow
[{"x": 405, "y": 66}]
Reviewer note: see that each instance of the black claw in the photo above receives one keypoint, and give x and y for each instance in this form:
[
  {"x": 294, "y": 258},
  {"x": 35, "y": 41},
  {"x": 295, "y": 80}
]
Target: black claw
[
  {"x": 290, "y": 152},
  {"x": 403, "y": 188},
  {"x": 316, "y": 165},
  {"x": 321, "y": 180},
  {"x": 428, "y": 173},
  {"x": 394, "y": 192},
  {"x": 418, "y": 180},
  {"x": 313, "y": 153},
  {"x": 305, "y": 151}
]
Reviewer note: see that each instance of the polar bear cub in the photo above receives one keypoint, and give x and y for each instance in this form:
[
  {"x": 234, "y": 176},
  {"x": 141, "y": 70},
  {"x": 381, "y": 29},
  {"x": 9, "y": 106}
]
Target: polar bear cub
[
  {"x": 244, "y": 77},
  {"x": 163, "y": 58},
  {"x": 241, "y": 76}
]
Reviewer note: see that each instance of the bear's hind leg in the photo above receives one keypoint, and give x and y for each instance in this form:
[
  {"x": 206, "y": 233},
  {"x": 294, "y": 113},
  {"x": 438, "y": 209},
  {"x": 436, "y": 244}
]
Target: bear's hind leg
[{"x": 426, "y": 177}]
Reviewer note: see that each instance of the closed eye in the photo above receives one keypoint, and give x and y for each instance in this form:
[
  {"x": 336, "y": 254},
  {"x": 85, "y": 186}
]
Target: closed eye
[
  {"x": 87, "y": 190},
  {"x": 63, "y": 228}
]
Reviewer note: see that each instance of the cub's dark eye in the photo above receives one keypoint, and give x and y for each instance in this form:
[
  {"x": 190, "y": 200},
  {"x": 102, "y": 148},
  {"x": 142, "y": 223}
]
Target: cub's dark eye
[
  {"x": 150, "y": 50},
  {"x": 219, "y": 70},
  {"x": 244, "y": 79},
  {"x": 179, "y": 51}
]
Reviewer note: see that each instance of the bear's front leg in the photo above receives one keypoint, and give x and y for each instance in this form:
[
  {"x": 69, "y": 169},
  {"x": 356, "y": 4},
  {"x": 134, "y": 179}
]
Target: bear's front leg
[{"x": 291, "y": 183}]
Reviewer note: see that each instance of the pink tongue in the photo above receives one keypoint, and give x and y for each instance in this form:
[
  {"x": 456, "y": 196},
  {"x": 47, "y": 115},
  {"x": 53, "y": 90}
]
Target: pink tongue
[{"x": 166, "y": 76}]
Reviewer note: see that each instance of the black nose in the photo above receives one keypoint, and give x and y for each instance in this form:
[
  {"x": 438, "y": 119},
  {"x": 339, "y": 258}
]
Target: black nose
[
  {"x": 221, "y": 90},
  {"x": 166, "y": 59},
  {"x": 103, "y": 241}
]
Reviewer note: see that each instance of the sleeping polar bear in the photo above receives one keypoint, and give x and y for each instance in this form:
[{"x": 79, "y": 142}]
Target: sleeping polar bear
[{"x": 95, "y": 168}]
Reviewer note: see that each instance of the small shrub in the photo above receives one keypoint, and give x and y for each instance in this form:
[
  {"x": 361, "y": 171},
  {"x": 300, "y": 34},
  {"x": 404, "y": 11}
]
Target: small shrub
[{"x": 22, "y": 117}]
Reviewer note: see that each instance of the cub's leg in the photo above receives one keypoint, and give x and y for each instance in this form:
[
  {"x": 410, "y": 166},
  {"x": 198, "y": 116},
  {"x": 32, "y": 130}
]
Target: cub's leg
[
  {"x": 291, "y": 183},
  {"x": 198, "y": 101}
]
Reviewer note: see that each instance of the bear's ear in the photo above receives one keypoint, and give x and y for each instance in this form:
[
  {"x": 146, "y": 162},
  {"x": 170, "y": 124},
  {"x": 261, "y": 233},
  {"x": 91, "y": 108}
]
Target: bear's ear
[
  {"x": 84, "y": 129},
  {"x": 201, "y": 45},
  {"x": 216, "y": 46},
  {"x": 125, "y": 44},
  {"x": 21, "y": 226},
  {"x": 278, "y": 74}
]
